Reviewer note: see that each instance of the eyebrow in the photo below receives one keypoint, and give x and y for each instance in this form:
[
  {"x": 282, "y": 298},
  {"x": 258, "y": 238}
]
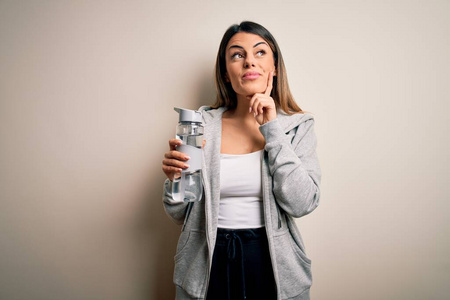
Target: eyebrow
[{"x": 240, "y": 47}]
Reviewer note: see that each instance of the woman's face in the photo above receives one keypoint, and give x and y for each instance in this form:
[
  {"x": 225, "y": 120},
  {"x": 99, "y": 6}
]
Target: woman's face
[{"x": 249, "y": 61}]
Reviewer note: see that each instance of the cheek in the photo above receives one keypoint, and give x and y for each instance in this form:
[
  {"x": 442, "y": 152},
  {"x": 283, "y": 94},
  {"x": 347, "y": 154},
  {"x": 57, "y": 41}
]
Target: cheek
[
  {"x": 233, "y": 77},
  {"x": 270, "y": 66},
  {"x": 235, "y": 85}
]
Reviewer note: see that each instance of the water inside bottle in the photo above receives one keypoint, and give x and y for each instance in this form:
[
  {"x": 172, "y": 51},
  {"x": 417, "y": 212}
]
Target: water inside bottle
[
  {"x": 192, "y": 140},
  {"x": 193, "y": 186}
]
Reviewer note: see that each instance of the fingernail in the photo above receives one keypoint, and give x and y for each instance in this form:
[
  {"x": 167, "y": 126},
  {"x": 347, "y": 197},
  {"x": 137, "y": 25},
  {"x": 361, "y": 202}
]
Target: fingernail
[
  {"x": 187, "y": 157},
  {"x": 186, "y": 166},
  {"x": 250, "y": 110},
  {"x": 254, "y": 114}
]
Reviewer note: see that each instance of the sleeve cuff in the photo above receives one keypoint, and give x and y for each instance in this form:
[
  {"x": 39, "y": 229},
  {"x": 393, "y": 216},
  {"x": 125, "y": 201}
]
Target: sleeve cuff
[{"x": 272, "y": 131}]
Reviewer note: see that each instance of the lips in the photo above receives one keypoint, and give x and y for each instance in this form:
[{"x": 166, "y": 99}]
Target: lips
[{"x": 251, "y": 76}]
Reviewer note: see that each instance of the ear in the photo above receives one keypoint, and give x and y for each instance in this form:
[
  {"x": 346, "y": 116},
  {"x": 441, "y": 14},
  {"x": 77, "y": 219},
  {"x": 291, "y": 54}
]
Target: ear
[
  {"x": 227, "y": 79},
  {"x": 275, "y": 72}
]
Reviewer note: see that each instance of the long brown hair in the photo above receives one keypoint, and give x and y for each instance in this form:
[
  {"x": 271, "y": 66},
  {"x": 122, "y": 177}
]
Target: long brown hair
[{"x": 281, "y": 93}]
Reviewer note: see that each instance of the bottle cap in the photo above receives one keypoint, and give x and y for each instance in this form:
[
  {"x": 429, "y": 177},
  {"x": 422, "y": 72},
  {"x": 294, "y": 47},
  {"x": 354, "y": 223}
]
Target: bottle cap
[{"x": 187, "y": 115}]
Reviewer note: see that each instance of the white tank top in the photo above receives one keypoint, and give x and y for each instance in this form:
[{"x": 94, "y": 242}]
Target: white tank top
[{"x": 241, "y": 191}]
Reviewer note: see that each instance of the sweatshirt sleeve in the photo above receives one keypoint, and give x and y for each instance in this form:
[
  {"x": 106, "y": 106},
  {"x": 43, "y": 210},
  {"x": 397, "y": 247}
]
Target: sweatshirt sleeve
[
  {"x": 294, "y": 167},
  {"x": 176, "y": 210}
]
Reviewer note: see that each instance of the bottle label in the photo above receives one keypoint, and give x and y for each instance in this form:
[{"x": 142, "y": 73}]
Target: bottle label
[{"x": 195, "y": 163}]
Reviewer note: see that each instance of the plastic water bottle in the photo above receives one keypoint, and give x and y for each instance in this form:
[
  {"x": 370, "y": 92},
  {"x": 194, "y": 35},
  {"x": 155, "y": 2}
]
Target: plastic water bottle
[{"x": 188, "y": 187}]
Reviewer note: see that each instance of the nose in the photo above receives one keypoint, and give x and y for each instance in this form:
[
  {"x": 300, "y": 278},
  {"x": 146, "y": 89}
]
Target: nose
[{"x": 249, "y": 61}]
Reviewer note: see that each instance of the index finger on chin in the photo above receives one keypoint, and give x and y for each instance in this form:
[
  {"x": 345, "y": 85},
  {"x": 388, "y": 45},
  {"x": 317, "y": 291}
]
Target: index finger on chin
[{"x": 269, "y": 84}]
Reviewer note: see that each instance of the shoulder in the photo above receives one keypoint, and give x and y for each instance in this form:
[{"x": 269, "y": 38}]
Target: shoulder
[
  {"x": 211, "y": 115},
  {"x": 289, "y": 122}
]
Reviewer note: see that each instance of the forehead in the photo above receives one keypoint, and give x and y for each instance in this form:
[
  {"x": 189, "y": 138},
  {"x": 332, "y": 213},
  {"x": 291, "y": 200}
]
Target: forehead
[{"x": 245, "y": 39}]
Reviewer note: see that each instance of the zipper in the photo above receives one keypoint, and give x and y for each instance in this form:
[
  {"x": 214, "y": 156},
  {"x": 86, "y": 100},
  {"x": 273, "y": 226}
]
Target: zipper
[
  {"x": 278, "y": 215},
  {"x": 264, "y": 176},
  {"x": 265, "y": 199},
  {"x": 188, "y": 212},
  {"x": 207, "y": 216}
]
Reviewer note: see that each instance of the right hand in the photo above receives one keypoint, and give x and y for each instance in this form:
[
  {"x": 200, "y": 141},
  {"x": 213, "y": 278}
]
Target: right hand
[{"x": 174, "y": 161}]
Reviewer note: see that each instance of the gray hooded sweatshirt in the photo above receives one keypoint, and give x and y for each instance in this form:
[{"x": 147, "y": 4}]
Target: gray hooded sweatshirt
[{"x": 290, "y": 181}]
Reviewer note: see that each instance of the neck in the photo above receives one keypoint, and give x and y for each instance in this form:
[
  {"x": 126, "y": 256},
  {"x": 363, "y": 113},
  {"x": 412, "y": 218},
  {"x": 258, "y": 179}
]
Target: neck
[{"x": 242, "y": 110}]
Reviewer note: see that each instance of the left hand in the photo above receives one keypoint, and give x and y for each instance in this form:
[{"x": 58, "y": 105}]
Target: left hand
[{"x": 262, "y": 105}]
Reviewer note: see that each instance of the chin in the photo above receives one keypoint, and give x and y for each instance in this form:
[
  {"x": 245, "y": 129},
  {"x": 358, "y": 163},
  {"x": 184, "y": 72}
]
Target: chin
[
  {"x": 248, "y": 88},
  {"x": 252, "y": 90}
]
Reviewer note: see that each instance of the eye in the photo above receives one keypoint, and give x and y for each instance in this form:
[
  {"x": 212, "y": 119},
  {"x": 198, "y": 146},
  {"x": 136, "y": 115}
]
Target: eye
[
  {"x": 237, "y": 55},
  {"x": 260, "y": 53}
]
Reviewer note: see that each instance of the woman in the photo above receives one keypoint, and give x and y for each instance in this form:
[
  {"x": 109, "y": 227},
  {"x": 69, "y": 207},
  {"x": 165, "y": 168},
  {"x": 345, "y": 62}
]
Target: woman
[{"x": 260, "y": 171}]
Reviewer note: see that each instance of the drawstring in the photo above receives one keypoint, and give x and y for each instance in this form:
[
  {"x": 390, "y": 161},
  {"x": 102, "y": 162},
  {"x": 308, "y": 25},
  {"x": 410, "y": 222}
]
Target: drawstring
[{"x": 231, "y": 251}]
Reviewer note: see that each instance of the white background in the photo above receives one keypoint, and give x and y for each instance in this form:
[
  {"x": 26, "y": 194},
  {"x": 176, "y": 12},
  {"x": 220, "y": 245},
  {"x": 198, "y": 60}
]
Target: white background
[{"x": 87, "y": 91}]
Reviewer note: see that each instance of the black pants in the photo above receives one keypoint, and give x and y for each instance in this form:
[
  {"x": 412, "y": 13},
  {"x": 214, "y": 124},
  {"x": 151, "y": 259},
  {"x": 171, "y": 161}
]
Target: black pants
[{"x": 241, "y": 266}]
